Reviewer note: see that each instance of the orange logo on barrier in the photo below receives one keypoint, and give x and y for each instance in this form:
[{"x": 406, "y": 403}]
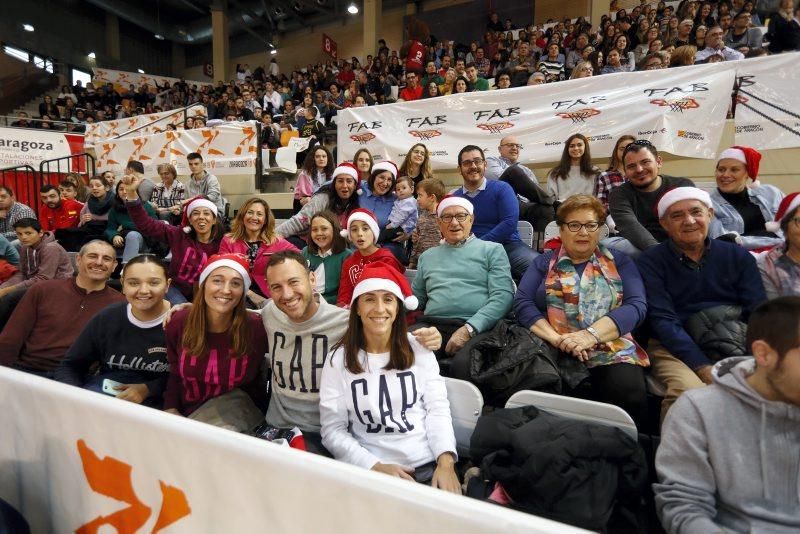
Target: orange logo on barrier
[
  {"x": 140, "y": 143},
  {"x": 171, "y": 136},
  {"x": 112, "y": 478},
  {"x": 579, "y": 115},
  {"x": 105, "y": 155},
  {"x": 248, "y": 134},
  {"x": 210, "y": 136}
]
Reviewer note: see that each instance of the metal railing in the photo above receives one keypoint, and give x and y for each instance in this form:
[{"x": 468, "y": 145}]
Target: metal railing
[
  {"x": 83, "y": 163},
  {"x": 175, "y": 112},
  {"x": 11, "y": 121}
]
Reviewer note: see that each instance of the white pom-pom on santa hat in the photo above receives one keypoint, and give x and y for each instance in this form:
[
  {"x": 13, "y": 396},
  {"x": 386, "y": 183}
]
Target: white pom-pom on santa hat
[
  {"x": 789, "y": 203},
  {"x": 363, "y": 215},
  {"x": 379, "y": 276}
]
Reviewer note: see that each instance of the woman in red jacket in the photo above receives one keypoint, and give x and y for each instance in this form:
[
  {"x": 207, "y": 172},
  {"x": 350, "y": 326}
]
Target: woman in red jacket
[{"x": 253, "y": 236}]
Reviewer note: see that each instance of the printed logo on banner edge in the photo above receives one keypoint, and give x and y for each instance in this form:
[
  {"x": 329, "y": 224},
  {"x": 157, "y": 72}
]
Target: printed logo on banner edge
[
  {"x": 694, "y": 136},
  {"x": 363, "y": 139},
  {"x": 110, "y": 477},
  {"x": 425, "y": 135}
]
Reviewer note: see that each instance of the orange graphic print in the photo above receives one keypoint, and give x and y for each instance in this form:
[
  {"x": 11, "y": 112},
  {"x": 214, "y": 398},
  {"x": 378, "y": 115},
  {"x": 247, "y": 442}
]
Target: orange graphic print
[
  {"x": 105, "y": 155},
  {"x": 140, "y": 143},
  {"x": 210, "y": 136},
  {"x": 112, "y": 478},
  {"x": 248, "y": 133}
]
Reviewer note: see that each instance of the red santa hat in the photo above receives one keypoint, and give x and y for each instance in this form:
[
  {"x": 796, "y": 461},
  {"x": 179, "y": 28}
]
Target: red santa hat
[
  {"x": 363, "y": 215},
  {"x": 348, "y": 169},
  {"x": 789, "y": 203},
  {"x": 379, "y": 276},
  {"x": 193, "y": 204},
  {"x": 452, "y": 200},
  {"x": 749, "y": 156},
  {"x": 237, "y": 262},
  {"x": 385, "y": 166},
  {"x": 682, "y": 193}
]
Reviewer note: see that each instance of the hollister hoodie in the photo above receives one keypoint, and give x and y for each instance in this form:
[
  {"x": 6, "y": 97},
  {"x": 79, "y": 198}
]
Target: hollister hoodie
[{"x": 729, "y": 460}]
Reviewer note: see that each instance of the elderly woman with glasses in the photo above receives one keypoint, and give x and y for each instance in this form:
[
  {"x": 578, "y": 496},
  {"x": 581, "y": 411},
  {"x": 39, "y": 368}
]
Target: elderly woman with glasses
[{"x": 585, "y": 299}]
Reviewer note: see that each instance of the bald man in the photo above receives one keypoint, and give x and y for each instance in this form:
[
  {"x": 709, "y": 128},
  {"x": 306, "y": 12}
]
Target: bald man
[{"x": 535, "y": 204}]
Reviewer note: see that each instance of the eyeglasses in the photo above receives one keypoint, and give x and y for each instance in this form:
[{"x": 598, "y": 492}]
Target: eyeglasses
[
  {"x": 460, "y": 217},
  {"x": 575, "y": 226},
  {"x": 470, "y": 162},
  {"x": 513, "y": 145}
]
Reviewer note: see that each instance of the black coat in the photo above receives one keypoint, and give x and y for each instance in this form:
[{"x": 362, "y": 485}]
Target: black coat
[
  {"x": 563, "y": 469},
  {"x": 719, "y": 331}
]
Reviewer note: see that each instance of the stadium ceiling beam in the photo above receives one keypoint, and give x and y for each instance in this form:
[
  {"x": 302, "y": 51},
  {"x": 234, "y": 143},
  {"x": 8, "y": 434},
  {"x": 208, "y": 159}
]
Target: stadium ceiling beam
[{"x": 194, "y": 6}]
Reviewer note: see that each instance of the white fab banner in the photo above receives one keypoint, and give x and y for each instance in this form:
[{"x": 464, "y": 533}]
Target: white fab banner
[
  {"x": 227, "y": 149},
  {"x": 682, "y": 111},
  {"x": 157, "y": 122},
  {"x": 768, "y": 102},
  {"x": 76, "y": 461},
  {"x": 123, "y": 79}
]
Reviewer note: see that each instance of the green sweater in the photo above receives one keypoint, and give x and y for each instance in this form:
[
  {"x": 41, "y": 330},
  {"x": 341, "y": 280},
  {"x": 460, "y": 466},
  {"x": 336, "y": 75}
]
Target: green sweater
[
  {"x": 119, "y": 221},
  {"x": 470, "y": 282},
  {"x": 333, "y": 271}
]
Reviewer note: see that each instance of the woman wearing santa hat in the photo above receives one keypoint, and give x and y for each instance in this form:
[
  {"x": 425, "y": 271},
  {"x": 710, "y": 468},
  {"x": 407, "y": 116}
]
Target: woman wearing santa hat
[
  {"x": 378, "y": 196},
  {"x": 216, "y": 348},
  {"x": 741, "y": 211},
  {"x": 383, "y": 404},
  {"x": 341, "y": 197},
  {"x": 780, "y": 267},
  {"x": 190, "y": 245}
]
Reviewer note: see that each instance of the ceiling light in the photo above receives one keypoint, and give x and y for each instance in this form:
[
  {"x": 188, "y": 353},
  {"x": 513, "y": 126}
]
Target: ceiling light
[
  {"x": 92, "y": 55},
  {"x": 140, "y": 71},
  {"x": 273, "y": 51},
  {"x": 352, "y": 9},
  {"x": 159, "y": 37},
  {"x": 27, "y": 27}
]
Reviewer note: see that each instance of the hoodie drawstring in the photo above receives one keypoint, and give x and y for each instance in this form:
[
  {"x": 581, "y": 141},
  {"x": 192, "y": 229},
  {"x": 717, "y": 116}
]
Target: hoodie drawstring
[{"x": 763, "y": 451}]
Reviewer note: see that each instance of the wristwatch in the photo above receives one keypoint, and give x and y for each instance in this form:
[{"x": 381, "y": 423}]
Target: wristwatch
[
  {"x": 594, "y": 333},
  {"x": 470, "y": 329}
]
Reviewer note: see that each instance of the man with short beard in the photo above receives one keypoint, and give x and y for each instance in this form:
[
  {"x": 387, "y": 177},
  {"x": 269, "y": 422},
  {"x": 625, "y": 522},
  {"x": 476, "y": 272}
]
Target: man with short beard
[
  {"x": 57, "y": 213},
  {"x": 10, "y": 212},
  {"x": 52, "y": 313},
  {"x": 302, "y": 329},
  {"x": 741, "y": 37},
  {"x": 632, "y": 204}
]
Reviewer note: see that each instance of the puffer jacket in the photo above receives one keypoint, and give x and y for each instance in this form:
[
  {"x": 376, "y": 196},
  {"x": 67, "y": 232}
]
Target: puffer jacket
[
  {"x": 564, "y": 469},
  {"x": 719, "y": 331}
]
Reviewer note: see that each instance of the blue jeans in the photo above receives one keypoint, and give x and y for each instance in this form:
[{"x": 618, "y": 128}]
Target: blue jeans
[
  {"x": 134, "y": 245},
  {"x": 520, "y": 257},
  {"x": 623, "y": 245},
  {"x": 174, "y": 296}
]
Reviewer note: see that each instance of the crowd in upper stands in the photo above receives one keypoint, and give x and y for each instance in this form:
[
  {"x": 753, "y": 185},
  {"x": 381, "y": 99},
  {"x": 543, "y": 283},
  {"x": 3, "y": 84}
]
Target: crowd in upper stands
[
  {"x": 382, "y": 282},
  {"x": 646, "y": 38}
]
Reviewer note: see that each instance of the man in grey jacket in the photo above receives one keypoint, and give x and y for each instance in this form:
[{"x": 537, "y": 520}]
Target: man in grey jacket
[{"x": 729, "y": 458}]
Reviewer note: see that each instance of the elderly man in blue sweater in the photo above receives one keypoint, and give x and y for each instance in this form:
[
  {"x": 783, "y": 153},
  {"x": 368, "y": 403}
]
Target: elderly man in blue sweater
[
  {"x": 463, "y": 285},
  {"x": 496, "y": 209},
  {"x": 686, "y": 274}
]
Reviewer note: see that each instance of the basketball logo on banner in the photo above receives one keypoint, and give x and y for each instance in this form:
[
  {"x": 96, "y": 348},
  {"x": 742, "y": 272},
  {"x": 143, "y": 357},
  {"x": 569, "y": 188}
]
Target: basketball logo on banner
[
  {"x": 112, "y": 478},
  {"x": 425, "y": 135},
  {"x": 363, "y": 139},
  {"x": 495, "y": 127},
  {"x": 579, "y": 115},
  {"x": 677, "y": 105}
]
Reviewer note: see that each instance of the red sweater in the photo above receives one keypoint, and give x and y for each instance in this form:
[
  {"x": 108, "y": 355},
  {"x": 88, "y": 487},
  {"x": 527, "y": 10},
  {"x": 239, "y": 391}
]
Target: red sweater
[
  {"x": 46, "y": 322},
  {"x": 352, "y": 267},
  {"x": 194, "y": 380},
  {"x": 66, "y": 215}
]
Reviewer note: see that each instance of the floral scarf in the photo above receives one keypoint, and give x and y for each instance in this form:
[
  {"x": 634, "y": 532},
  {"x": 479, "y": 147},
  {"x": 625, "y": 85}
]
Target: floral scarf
[{"x": 574, "y": 303}]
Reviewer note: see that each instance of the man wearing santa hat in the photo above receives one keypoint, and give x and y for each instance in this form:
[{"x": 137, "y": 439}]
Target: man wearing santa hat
[
  {"x": 686, "y": 274},
  {"x": 474, "y": 270},
  {"x": 741, "y": 210}
]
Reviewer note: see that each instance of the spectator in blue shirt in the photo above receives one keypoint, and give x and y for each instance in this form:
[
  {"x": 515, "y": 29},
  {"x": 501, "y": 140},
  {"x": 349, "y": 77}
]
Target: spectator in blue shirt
[
  {"x": 686, "y": 274},
  {"x": 496, "y": 209}
]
